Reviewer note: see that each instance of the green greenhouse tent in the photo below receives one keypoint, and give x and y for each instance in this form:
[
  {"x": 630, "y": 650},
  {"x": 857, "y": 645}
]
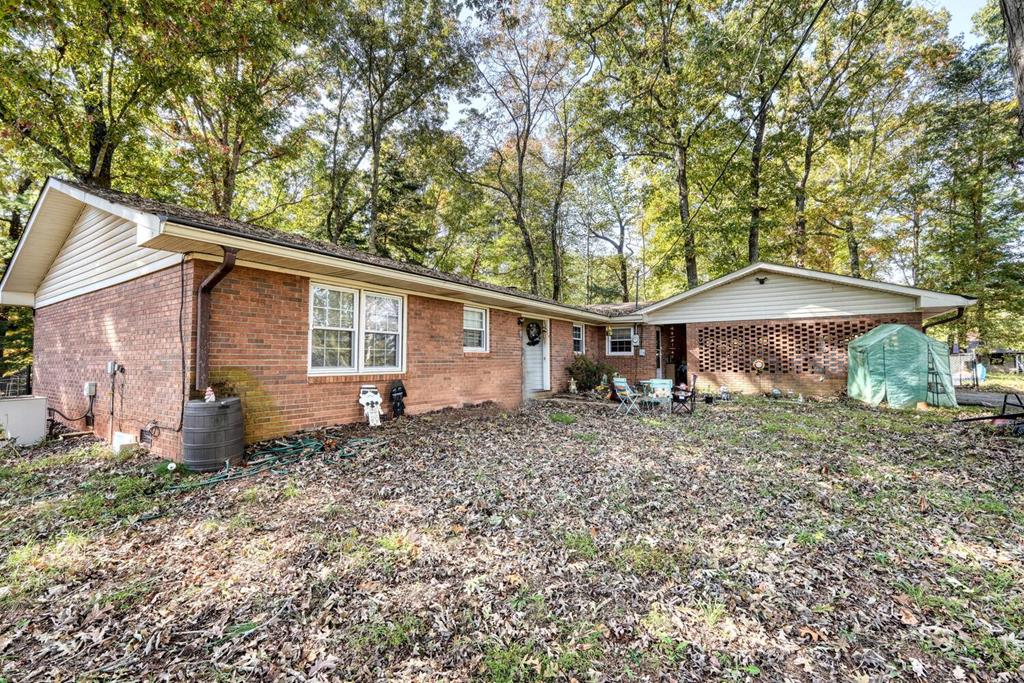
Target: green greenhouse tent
[{"x": 900, "y": 365}]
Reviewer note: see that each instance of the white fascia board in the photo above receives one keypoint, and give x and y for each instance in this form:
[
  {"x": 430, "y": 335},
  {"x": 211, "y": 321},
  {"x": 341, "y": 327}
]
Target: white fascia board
[
  {"x": 25, "y": 236},
  {"x": 141, "y": 218},
  {"x": 170, "y": 228},
  {"x": 17, "y": 298}
]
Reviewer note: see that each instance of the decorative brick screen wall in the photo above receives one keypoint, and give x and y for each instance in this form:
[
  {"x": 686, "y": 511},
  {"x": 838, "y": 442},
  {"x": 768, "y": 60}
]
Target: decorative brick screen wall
[{"x": 806, "y": 355}]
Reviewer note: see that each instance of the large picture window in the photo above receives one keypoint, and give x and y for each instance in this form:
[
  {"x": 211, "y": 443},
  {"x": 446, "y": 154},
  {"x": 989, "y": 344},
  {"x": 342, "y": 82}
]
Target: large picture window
[
  {"x": 620, "y": 341},
  {"x": 353, "y": 331},
  {"x": 474, "y": 329}
]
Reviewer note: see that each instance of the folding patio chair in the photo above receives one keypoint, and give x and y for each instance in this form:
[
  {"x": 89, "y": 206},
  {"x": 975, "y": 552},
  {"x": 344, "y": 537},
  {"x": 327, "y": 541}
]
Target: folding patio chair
[
  {"x": 626, "y": 395},
  {"x": 684, "y": 397},
  {"x": 660, "y": 394}
]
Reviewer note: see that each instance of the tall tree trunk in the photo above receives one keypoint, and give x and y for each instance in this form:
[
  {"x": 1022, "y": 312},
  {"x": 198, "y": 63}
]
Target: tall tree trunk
[
  {"x": 101, "y": 148},
  {"x": 853, "y": 247},
  {"x": 531, "y": 254},
  {"x": 1013, "y": 19},
  {"x": 556, "y": 264},
  {"x": 624, "y": 276},
  {"x": 754, "y": 236},
  {"x": 16, "y": 222},
  {"x": 683, "y": 190},
  {"x": 554, "y": 226},
  {"x": 978, "y": 274},
  {"x": 371, "y": 234},
  {"x": 800, "y": 201},
  {"x": 229, "y": 183},
  {"x": 15, "y": 226},
  {"x": 915, "y": 257}
]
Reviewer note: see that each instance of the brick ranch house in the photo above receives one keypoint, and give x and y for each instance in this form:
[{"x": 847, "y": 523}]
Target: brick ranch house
[{"x": 182, "y": 299}]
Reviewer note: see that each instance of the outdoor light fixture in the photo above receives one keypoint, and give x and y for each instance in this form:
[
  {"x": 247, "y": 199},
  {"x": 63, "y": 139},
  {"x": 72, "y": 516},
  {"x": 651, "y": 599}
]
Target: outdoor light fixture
[{"x": 761, "y": 280}]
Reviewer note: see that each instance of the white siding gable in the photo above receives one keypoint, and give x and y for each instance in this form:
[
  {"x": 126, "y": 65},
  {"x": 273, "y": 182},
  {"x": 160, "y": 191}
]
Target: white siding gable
[
  {"x": 781, "y": 296},
  {"x": 100, "y": 251}
]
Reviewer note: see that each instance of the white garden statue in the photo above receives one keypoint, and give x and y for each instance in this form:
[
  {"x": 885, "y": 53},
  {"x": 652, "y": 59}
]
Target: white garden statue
[{"x": 370, "y": 400}]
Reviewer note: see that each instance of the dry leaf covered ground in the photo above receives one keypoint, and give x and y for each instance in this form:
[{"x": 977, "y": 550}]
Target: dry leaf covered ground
[{"x": 754, "y": 541}]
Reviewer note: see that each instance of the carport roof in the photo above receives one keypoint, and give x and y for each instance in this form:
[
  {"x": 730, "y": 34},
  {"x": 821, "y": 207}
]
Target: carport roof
[{"x": 929, "y": 301}]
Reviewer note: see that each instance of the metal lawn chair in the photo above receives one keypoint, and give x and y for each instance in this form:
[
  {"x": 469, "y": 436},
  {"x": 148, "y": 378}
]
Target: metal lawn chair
[
  {"x": 627, "y": 396},
  {"x": 684, "y": 398},
  {"x": 659, "y": 394}
]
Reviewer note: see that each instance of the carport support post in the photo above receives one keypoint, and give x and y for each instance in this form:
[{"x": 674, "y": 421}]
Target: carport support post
[{"x": 203, "y": 317}]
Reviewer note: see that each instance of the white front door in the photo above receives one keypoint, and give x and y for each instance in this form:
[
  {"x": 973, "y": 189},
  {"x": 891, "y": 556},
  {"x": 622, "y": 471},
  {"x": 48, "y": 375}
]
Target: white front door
[{"x": 536, "y": 374}]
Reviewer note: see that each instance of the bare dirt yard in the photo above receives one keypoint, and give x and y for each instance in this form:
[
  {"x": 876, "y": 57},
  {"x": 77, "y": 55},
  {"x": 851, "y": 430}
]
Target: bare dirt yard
[{"x": 756, "y": 540}]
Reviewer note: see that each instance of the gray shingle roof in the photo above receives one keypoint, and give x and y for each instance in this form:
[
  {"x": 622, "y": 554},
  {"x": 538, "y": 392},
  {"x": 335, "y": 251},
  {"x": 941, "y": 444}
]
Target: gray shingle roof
[
  {"x": 206, "y": 221},
  {"x": 618, "y": 309}
]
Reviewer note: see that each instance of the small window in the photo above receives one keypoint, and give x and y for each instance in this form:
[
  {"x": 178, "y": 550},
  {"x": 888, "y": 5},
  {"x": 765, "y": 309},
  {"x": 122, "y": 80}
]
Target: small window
[
  {"x": 382, "y": 331},
  {"x": 620, "y": 341},
  {"x": 474, "y": 329},
  {"x": 578, "y": 345},
  {"x": 333, "y": 329}
]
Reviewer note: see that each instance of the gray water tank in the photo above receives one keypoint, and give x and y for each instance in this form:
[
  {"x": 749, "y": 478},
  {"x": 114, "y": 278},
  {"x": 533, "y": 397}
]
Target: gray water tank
[{"x": 212, "y": 433}]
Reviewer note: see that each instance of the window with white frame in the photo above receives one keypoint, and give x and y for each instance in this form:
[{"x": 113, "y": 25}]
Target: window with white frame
[
  {"x": 620, "y": 341},
  {"x": 354, "y": 331},
  {"x": 382, "y": 331},
  {"x": 474, "y": 329},
  {"x": 578, "y": 343},
  {"x": 333, "y": 323}
]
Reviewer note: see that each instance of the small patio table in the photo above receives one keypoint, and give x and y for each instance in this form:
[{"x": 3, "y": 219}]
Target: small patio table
[{"x": 656, "y": 393}]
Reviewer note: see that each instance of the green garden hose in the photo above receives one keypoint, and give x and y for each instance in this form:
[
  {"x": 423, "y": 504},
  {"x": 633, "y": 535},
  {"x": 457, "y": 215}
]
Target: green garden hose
[{"x": 277, "y": 459}]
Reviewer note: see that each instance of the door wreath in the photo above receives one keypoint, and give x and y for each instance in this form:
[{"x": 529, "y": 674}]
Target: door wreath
[{"x": 533, "y": 333}]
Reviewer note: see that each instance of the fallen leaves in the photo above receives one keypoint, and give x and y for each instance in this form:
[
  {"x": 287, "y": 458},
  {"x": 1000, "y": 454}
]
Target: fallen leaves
[
  {"x": 907, "y": 617},
  {"x": 752, "y": 540},
  {"x": 810, "y": 634}
]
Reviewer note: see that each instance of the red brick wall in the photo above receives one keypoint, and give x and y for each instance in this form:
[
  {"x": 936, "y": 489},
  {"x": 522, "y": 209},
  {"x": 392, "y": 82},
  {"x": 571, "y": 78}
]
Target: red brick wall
[
  {"x": 136, "y": 324},
  {"x": 806, "y": 355},
  {"x": 259, "y": 351},
  {"x": 633, "y": 367}
]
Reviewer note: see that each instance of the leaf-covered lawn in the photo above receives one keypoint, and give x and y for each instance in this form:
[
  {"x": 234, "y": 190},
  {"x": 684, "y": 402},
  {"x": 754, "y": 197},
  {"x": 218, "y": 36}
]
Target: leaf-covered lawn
[
  {"x": 1004, "y": 382},
  {"x": 755, "y": 541}
]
